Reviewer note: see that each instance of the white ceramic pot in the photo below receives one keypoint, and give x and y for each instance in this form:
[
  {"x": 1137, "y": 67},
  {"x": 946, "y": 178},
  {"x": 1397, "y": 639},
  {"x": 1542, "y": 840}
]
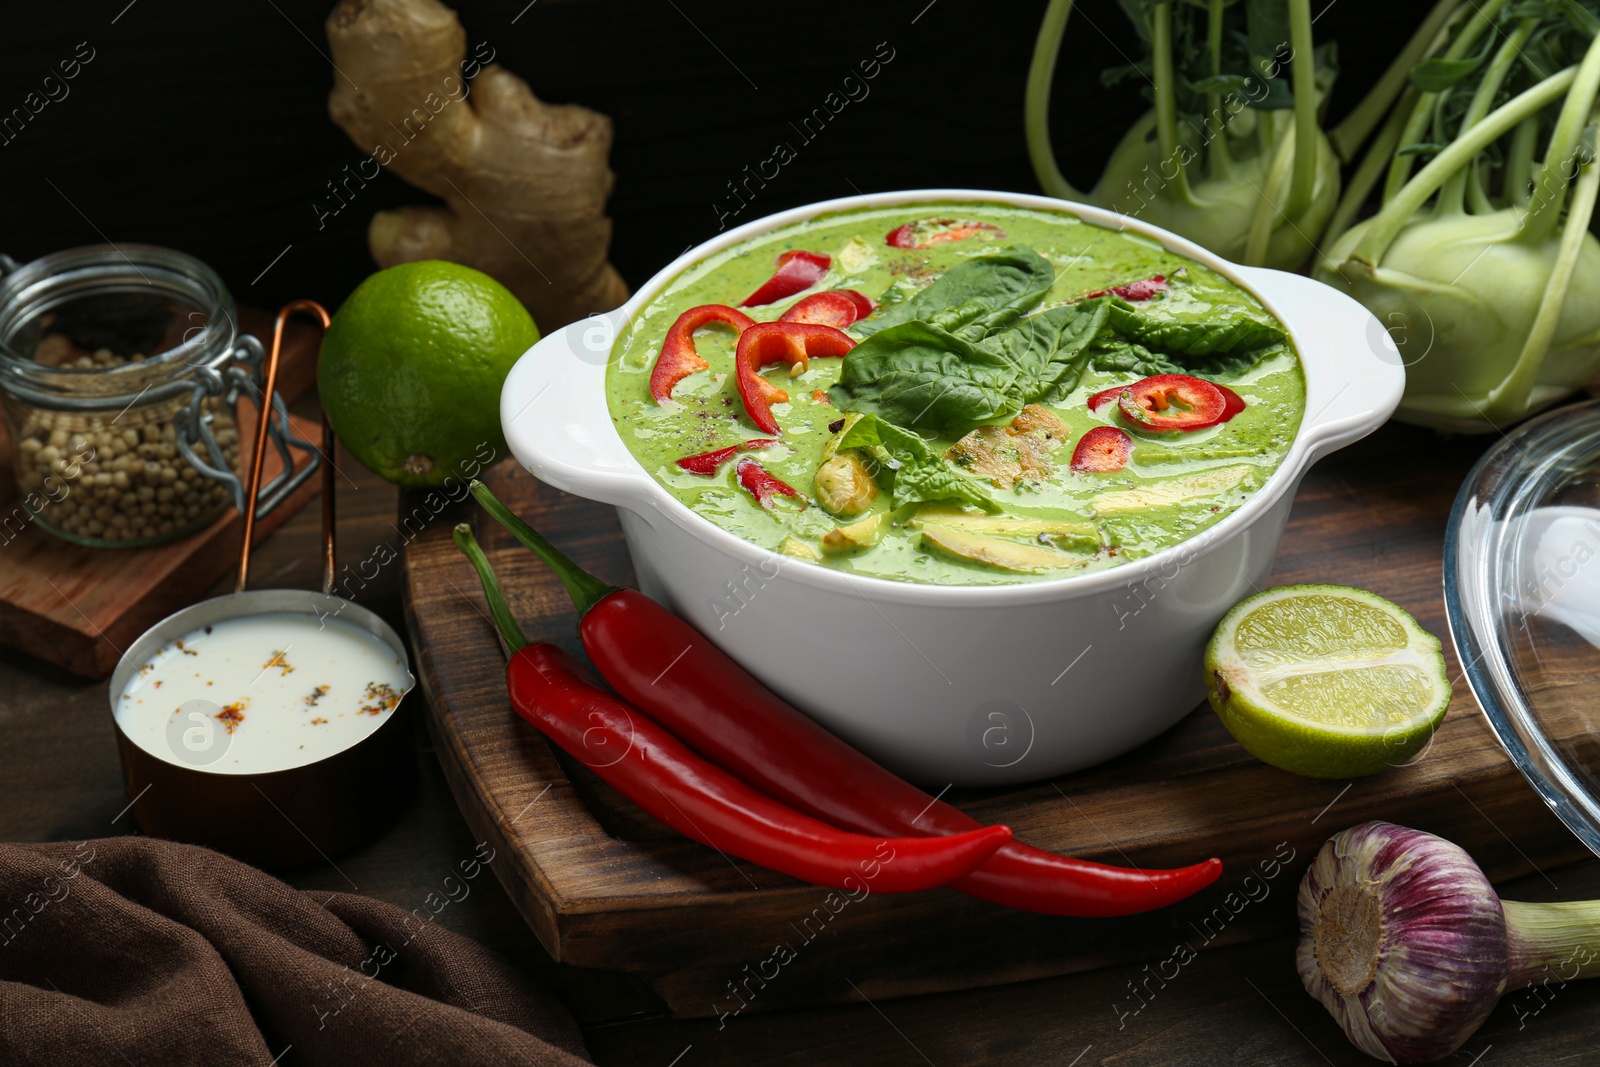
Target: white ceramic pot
[{"x": 963, "y": 685}]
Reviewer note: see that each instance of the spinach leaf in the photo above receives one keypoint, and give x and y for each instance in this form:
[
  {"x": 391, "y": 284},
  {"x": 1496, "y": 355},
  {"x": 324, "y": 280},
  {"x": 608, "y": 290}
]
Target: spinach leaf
[
  {"x": 1008, "y": 283},
  {"x": 1050, "y": 350},
  {"x": 916, "y": 374},
  {"x": 1114, "y": 355},
  {"x": 920, "y": 475},
  {"x": 1223, "y": 331}
]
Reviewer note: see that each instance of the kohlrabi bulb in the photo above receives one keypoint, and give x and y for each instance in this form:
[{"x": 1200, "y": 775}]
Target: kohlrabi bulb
[
  {"x": 1223, "y": 203},
  {"x": 1459, "y": 293}
]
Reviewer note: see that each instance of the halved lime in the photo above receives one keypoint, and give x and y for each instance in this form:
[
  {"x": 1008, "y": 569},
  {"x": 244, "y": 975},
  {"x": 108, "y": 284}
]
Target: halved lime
[{"x": 1326, "y": 681}]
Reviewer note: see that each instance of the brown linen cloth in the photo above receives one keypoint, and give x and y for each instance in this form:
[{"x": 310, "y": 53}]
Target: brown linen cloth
[{"x": 137, "y": 951}]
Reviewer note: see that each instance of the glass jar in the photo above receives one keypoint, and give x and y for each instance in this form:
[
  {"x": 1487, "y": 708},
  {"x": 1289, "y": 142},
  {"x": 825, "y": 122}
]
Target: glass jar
[{"x": 121, "y": 369}]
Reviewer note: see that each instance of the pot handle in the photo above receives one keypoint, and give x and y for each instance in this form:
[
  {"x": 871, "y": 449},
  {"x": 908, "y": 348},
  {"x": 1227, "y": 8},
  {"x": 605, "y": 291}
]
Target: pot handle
[
  {"x": 1354, "y": 373},
  {"x": 554, "y": 414}
]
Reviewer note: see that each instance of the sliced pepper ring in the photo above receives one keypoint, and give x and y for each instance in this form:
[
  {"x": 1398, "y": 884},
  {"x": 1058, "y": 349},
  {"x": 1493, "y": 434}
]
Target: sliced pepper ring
[
  {"x": 1102, "y": 449},
  {"x": 707, "y": 463},
  {"x": 1172, "y": 402},
  {"x": 836, "y": 307},
  {"x": 797, "y": 271},
  {"x": 928, "y": 232},
  {"x": 678, "y": 358},
  {"x": 766, "y": 343},
  {"x": 1141, "y": 290}
]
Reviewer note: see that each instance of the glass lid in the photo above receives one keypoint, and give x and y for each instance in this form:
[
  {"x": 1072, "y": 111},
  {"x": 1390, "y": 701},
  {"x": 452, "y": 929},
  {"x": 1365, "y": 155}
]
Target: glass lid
[{"x": 1522, "y": 587}]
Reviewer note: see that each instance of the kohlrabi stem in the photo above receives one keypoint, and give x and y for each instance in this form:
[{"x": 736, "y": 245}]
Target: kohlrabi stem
[
  {"x": 1348, "y": 135},
  {"x": 1265, "y": 214},
  {"x": 1166, "y": 93},
  {"x": 1399, "y": 209},
  {"x": 1508, "y": 401},
  {"x": 1519, "y": 161},
  {"x": 1219, "y": 161},
  {"x": 498, "y": 607},
  {"x": 584, "y": 588},
  {"x": 1303, "y": 74},
  {"x": 1373, "y": 164},
  {"x": 1450, "y": 197},
  {"x": 1477, "y": 24},
  {"x": 1036, "y": 102},
  {"x": 1551, "y": 941},
  {"x": 1550, "y": 184}
]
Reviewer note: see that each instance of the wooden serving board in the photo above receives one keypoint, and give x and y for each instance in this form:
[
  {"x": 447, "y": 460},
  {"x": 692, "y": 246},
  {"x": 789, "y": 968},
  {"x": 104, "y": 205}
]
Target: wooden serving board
[
  {"x": 603, "y": 886},
  {"x": 78, "y": 607}
]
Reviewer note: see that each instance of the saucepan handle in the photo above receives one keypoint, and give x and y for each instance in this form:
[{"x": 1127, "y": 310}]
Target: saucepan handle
[
  {"x": 554, "y": 414},
  {"x": 1354, "y": 373}
]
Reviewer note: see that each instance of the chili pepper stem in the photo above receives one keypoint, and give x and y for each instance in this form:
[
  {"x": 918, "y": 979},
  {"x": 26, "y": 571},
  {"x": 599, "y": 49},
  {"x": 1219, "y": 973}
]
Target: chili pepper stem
[
  {"x": 584, "y": 588},
  {"x": 503, "y": 619}
]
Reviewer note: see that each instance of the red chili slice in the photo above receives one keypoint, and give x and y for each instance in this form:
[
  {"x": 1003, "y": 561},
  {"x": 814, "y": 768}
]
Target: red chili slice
[
  {"x": 1172, "y": 402},
  {"x": 678, "y": 358},
  {"x": 836, "y": 307},
  {"x": 707, "y": 462},
  {"x": 1143, "y": 289},
  {"x": 927, "y": 232},
  {"x": 1232, "y": 402},
  {"x": 1235, "y": 402},
  {"x": 1104, "y": 448},
  {"x": 1104, "y": 397},
  {"x": 762, "y": 483},
  {"x": 780, "y": 342},
  {"x": 796, "y": 271},
  {"x": 863, "y": 303}
]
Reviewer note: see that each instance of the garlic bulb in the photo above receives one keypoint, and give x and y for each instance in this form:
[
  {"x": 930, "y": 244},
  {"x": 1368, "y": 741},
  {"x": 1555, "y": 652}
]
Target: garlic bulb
[{"x": 1408, "y": 946}]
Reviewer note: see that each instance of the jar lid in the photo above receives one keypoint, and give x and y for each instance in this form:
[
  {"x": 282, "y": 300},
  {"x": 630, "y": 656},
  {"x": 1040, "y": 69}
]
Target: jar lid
[{"x": 1522, "y": 589}]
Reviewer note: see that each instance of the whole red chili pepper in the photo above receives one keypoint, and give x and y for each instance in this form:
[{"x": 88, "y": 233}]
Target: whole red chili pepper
[
  {"x": 663, "y": 664},
  {"x": 779, "y": 342},
  {"x": 637, "y": 757},
  {"x": 796, "y": 271},
  {"x": 678, "y": 358}
]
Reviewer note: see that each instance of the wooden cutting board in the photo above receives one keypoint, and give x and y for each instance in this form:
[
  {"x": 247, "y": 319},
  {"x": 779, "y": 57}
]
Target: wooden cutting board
[
  {"x": 78, "y": 607},
  {"x": 603, "y": 886}
]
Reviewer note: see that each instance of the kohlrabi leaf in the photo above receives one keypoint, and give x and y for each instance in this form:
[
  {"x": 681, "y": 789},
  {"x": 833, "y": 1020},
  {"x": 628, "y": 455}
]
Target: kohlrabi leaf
[
  {"x": 919, "y": 375},
  {"x": 1267, "y": 26},
  {"x": 1437, "y": 75},
  {"x": 1015, "y": 278},
  {"x": 918, "y": 473}
]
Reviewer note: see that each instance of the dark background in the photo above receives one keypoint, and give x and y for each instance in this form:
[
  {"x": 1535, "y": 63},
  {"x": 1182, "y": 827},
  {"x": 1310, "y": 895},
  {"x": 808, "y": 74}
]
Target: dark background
[{"x": 205, "y": 127}]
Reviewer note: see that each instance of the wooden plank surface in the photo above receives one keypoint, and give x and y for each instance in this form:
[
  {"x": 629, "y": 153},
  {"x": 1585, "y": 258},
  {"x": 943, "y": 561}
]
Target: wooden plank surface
[
  {"x": 603, "y": 887},
  {"x": 1239, "y": 1005}
]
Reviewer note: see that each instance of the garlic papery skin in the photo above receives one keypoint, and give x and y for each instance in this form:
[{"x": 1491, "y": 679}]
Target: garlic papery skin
[{"x": 1402, "y": 939}]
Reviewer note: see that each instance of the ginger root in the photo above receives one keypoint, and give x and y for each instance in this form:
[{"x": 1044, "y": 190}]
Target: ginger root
[{"x": 524, "y": 182}]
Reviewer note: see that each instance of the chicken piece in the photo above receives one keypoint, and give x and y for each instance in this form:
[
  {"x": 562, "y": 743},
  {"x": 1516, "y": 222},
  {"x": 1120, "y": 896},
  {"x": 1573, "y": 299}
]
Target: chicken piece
[{"x": 1023, "y": 450}]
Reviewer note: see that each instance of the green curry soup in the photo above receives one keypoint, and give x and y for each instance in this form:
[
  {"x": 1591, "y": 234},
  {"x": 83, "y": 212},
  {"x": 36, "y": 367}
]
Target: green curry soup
[{"x": 1016, "y": 343}]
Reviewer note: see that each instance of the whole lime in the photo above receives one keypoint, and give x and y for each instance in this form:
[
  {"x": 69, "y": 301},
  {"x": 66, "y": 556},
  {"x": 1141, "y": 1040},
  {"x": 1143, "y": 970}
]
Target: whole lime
[{"x": 412, "y": 366}]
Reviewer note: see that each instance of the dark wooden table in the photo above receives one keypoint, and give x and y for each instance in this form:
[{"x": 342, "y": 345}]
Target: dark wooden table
[{"x": 59, "y": 779}]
